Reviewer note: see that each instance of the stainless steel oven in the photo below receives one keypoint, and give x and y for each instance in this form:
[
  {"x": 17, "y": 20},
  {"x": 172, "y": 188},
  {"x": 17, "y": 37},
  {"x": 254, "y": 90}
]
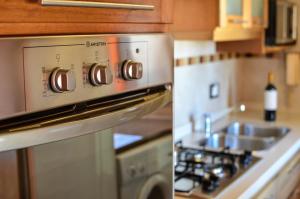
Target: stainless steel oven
[
  {"x": 282, "y": 27},
  {"x": 62, "y": 96}
]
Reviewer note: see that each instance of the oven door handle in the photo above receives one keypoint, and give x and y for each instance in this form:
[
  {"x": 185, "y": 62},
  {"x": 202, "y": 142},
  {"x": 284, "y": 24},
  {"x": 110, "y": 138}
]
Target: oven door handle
[
  {"x": 93, "y": 4},
  {"x": 29, "y": 137}
]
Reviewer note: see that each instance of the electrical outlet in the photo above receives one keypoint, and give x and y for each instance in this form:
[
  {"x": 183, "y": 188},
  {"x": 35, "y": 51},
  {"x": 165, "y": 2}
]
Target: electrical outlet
[{"x": 214, "y": 90}]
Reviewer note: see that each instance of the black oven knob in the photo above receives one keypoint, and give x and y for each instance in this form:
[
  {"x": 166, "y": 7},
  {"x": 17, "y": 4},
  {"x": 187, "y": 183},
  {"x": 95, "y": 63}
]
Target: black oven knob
[
  {"x": 62, "y": 80},
  {"x": 132, "y": 70},
  {"x": 100, "y": 75}
]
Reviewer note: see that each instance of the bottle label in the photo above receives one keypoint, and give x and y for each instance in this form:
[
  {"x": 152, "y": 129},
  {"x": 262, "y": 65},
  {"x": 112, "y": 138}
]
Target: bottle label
[{"x": 271, "y": 100}]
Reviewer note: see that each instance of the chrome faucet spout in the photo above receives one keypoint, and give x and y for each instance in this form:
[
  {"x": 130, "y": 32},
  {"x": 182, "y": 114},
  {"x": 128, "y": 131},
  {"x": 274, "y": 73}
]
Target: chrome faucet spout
[{"x": 207, "y": 125}]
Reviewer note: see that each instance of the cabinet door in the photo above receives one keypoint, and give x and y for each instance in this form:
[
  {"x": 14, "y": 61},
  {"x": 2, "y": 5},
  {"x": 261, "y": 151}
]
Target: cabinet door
[
  {"x": 259, "y": 12},
  {"x": 53, "y": 11},
  {"x": 45, "y": 17},
  {"x": 235, "y": 13},
  {"x": 234, "y": 8}
]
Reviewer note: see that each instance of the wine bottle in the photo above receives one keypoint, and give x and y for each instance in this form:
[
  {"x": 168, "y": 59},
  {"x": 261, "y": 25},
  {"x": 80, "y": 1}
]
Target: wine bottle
[{"x": 270, "y": 99}]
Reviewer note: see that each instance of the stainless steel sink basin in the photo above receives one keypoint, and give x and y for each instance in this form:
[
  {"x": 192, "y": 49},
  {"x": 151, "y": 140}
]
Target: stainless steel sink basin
[
  {"x": 221, "y": 140},
  {"x": 245, "y": 136},
  {"x": 247, "y": 129}
]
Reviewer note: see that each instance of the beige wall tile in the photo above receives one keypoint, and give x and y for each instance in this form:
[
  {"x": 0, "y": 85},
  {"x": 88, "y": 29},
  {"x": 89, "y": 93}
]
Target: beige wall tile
[{"x": 252, "y": 78}]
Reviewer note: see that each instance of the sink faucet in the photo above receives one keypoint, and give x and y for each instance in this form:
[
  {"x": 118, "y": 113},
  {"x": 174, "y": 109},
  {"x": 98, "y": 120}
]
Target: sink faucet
[{"x": 207, "y": 125}]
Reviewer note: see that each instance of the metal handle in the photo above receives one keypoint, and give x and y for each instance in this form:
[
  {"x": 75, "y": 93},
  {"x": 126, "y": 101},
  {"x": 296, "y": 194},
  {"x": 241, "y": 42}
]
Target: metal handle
[
  {"x": 24, "y": 137},
  {"x": 93, "y": 4}
]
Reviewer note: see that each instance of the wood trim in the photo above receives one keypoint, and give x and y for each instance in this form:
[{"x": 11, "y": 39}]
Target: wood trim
[
  {"x": 255, "y": 46},
  {"x": 292, "y": 69},
  {"x": 167, "y": 8},
  {"x": 247, "y": 13},
  {"x": 193, "y": 35},
  {"x": 274, "y": 49},
  {"x": 192, "y": 16},
  {"x": 266, "y": 14},
  {"x": 18, "y": 29},
  {"x": 233, "y": 34},
  {"x": 223, "y": 13}
]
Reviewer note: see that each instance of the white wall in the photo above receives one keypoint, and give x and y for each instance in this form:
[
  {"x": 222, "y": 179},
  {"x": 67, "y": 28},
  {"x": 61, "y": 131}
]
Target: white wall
[
  {"x": 241, "y": 80},
  {"x": 191, "y": 86},
  {"x": 253, "y": 79}
]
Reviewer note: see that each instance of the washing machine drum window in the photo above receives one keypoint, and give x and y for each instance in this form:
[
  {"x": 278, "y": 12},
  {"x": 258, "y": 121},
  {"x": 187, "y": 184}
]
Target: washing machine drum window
[{"x": 156, "y": 187}]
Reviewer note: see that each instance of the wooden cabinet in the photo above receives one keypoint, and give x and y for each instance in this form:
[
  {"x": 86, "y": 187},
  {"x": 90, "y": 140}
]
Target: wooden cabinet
[
  {"x": 195, "y": 19},
  {"x": 219, "y": 20},
  {"x": 88, "y": 16},
  {"x": 247, "y": 19},
  {"x": 243, "y": 13},
  {"x": 235, "y": 25},
  {"x": 259, "y": 13},
  {"x": 234, "y": 13}
]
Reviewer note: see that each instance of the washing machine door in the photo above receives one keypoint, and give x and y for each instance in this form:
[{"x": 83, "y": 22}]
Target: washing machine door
[{"x": 156, "y": 187}]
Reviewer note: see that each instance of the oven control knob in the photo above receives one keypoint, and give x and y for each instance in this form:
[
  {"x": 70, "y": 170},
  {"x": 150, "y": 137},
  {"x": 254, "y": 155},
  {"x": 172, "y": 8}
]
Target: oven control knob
[
  {"x": 62, "y": 80},
  {"x": 132, "y": 70},
  {"x": 100, "y": 75}
]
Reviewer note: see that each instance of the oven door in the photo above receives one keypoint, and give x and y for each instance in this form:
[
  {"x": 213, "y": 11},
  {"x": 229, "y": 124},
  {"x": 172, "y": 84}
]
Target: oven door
[{"x": 72, "y": 155}]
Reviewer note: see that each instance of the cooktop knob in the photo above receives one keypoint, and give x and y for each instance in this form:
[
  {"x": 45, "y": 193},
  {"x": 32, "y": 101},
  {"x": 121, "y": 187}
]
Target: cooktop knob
[
  {"x": 100, "y": 75},
  {"x": 62, "y": 80},
  {"x": 132, "y": 70},
  {"x": 246, "y": 158},
  {"x": 207, "y": 184}
]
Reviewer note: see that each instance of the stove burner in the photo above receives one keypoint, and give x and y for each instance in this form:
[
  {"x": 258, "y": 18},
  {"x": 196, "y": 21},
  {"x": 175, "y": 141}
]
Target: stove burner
[{"x": 207, "y": 169}]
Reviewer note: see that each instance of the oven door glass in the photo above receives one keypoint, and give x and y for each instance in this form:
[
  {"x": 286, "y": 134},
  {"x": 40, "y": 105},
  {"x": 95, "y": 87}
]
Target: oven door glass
[
  {"x": 86, "y": 166},
  {"x": 70, "y": 152}
]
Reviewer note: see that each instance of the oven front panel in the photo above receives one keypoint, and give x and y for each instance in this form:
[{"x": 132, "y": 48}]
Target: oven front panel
[{"x": 41, "y": 73}]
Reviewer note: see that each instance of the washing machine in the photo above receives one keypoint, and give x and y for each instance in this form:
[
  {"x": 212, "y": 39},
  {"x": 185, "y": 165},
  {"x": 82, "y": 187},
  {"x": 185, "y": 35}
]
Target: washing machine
[{"x": 145, "y": 172}]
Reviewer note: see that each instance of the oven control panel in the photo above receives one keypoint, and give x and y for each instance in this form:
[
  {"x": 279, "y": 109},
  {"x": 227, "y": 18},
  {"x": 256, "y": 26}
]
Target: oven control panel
[
  {"x": 65, "y": 70},
  {"x": 40, "y": 73}
]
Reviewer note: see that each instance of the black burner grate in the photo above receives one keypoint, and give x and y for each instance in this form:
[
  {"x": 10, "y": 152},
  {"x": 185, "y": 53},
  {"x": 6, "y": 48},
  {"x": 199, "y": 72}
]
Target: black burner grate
[{"x": 206, "y": 168}]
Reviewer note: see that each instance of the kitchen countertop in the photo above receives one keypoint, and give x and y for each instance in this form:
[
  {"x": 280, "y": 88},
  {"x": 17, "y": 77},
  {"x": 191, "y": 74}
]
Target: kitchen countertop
[
  {"x": 272, "y": 160},
  {"x": 145, "y": 129}
]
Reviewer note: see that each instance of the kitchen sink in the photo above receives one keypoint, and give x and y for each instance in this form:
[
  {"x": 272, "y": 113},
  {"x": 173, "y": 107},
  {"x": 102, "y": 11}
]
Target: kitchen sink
[
  {"x": 252, "y": 130},
  {"x": 221, "y": 140},
  {"x": 245, "y": 136}
]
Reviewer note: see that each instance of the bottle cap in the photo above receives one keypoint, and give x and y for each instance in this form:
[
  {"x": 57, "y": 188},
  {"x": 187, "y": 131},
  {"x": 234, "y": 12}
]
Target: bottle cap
[{"x": 270, "y": 77}]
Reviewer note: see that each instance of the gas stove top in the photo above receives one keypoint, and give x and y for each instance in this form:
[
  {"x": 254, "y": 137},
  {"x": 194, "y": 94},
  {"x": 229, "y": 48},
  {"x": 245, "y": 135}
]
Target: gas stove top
[{"x": 204, "y": 173}]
